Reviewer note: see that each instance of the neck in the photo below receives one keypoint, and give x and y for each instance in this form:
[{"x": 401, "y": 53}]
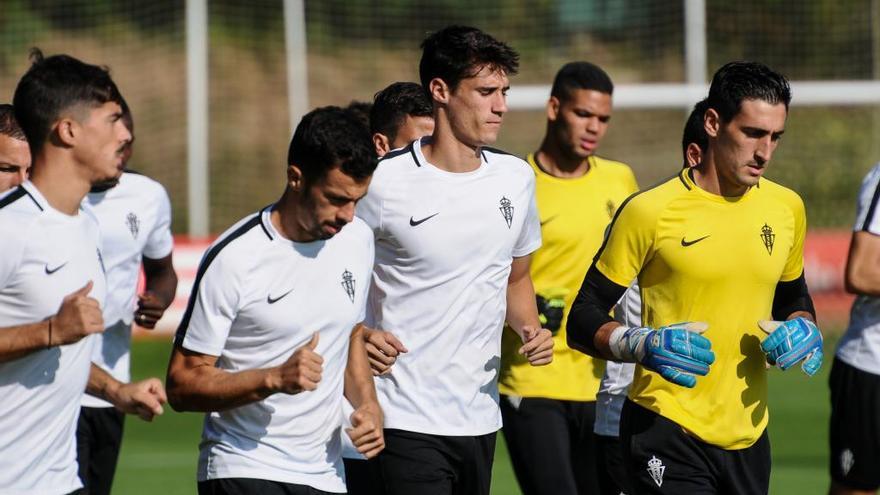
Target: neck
[
  {"x": 447, "y": 152},
  {"x": 707, "y": 178},
  {"x": 56, "y": 177},
  {"x": 557, "y": 163},
  {"x": 284, "y": 218}
]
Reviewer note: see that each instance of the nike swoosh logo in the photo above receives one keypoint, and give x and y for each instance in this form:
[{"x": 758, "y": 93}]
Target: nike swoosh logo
[
  {"x": 50, "y": 271},
  {"x": 691, "y": 243},
  {"x": 545, "y": 222},
  {"x": 417, "y": 222},
  {"x": 273, "y": 300}
]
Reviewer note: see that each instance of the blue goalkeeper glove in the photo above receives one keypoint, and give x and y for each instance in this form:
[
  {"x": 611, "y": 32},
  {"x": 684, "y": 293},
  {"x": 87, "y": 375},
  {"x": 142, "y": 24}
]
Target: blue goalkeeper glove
[
  {"x": 677, "y": 352},
  {"x": 792, "y": 341}
]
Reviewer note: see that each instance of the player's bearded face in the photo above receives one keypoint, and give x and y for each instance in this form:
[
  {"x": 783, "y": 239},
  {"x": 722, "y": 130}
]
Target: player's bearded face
[
  {"x": 330, "y": 203},
  {"x": 477, "y": 105},
  {"x": 103, "y": 141},
  {"x": 580, "y": 120},
  {"x": 745, "y": 145}
]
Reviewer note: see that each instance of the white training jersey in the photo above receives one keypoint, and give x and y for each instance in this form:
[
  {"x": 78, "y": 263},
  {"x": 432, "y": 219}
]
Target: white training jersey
[
  {"x": 618, "y": 376},
  {"x": 257, "y": 298},
  {"x": 46, "y": 256},
  {"x": 444, "y": 245},
  {"x": 135, "y": 222},
  {"x": 860, "y": 345}
]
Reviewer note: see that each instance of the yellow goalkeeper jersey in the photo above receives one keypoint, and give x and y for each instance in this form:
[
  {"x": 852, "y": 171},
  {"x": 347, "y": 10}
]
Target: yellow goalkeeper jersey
[
  {"x": 574, "y": 214},
  {"x": 702, "y": 257}
]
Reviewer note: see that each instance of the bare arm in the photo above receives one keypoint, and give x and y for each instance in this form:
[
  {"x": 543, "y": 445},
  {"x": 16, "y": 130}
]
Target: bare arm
[
  {"x": 78, "y": 317},
  {"x": 196, "y": 384},
  {"x": 144, "y": 398},
  {"x": 159, "y": 290},
  {"x": 863, "y": 265},
  {"x": 522, "y": 314},
  {"x": 367, "y": 420}
]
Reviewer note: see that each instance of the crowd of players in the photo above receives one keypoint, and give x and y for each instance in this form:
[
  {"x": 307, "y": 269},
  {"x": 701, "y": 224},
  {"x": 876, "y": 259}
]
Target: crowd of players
[{"x": 412, "y": 287}]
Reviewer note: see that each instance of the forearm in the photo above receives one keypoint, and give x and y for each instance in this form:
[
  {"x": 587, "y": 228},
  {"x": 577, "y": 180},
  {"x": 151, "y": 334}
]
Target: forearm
[
  {"x": 207, "y": 388},
  {"x": 163, "y": 283},
  {"x": 589, "y": 325},
  {"x": 102, "y": 384},
  {"x": 21, "y": 340},
  {"x": 359, "y": 387},
  {"x": 791, "y": 298},
  {"x": 522, "y": 310}
]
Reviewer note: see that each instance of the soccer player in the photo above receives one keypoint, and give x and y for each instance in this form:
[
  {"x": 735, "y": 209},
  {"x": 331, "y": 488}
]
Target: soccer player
[
  {"x": 855, "y": 372},
  {"x": 716, "y": 245},
  {"x": 618, "y": 376},
  {"x": 401, "y": 113},
  {"x": 549, "y": 411},
  {"x": 271, "y": 337},
  {"x": 134, "y": 216},
  {"x": 455, "y": 224},
  {"x": 52, "y": 279},
  {"x": 15, "y": 157}
]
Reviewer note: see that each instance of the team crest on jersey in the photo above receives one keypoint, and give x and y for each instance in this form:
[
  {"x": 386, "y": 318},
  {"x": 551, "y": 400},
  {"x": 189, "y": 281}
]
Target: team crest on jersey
[
  {"x": 609, "y": 207},
  {"x": 507, "y": 210},
  {"x": 348, "y": 283},
  {"x": 768, "y": 237},
  {"x": 846, "y": 461},
  {"x": 133, "y": 223},
  {"x": 656, "y": 470}
]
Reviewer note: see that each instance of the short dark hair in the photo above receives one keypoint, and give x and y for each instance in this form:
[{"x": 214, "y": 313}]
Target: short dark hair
[
  {"x": 694, "y": 130},
  {"x": 53, "y": 85},
  {"x": 394, "y": 103},
  {"x": 459, "y": 52},
  {"x": 127, "y": 118},
  {"x": 8, "y": 125},
  {"x": 580, "y": 75},
  {"x": 738, "y": 81},
  {"x": 330, "y": 137},
  {"x": 361, "y": 110}
]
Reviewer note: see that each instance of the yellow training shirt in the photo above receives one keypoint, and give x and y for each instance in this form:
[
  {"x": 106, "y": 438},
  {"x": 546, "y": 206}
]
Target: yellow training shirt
[
  {"x": 702, "y": 257},
  {"x": 574, "y": 214}
]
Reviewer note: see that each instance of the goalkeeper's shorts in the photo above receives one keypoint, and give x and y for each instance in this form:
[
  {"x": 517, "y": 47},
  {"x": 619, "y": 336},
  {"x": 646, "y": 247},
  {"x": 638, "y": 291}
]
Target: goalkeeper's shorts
[{"x": 855, "y": 427}]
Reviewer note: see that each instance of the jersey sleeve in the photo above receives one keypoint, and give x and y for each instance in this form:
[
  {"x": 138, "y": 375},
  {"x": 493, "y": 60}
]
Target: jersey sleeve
[
  {"x": 631, "y": 181},
  {"x": 368, "y": 274},
  {"x": 213, "y": 306},
  {"x": 867, "y": 219},
  {"x": 160, "y": 242},
  {"x": 530, "y": 236},
  {"x": 794, "y": 265},
  {"x": 369, "y": 208},
  {"x": 629, "y": 241}
]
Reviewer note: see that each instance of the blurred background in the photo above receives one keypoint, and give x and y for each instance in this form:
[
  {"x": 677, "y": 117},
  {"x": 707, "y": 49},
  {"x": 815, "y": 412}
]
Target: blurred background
[{"x": 216, "y": 87}]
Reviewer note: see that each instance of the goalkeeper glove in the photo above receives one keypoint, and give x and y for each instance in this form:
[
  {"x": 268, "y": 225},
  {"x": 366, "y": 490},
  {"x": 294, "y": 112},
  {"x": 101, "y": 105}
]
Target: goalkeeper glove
[
  {"x": 791, "y": 341},
  {"x": 551, "y": 308},
  {"x": 677, "y": 352}
]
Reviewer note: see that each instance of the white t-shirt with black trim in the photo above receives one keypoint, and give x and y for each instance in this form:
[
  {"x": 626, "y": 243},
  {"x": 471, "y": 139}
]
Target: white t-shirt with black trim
[
  {"x": 444, "y": 246},
  {"x": 46, "y": 256},
  {"x": 860, "y": 345},
  {"x": 257, "y": 298},
  {"x": 135, "y": 222}
]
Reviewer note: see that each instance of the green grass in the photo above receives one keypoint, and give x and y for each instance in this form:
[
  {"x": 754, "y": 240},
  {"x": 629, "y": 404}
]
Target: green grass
[{"x": 160, "y": 457}]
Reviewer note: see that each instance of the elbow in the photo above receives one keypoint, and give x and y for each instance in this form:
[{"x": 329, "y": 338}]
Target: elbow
[
  {"x": 178, "y": 397},
  {"x": 577, "y": 334},
  {"x": 855, "y": 283}
]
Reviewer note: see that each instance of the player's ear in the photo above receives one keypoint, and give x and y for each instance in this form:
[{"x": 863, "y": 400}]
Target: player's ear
[
  {"x": 439, "y": 90},
  {"x": 553, "y": 108},
  {"x": 381, "y": 144},
  {"x": 694, "y": 155},
  {"x": 294, "y": 178},
  {"x": 711, "y": 122},
  {"x": 65, "y": 132}
]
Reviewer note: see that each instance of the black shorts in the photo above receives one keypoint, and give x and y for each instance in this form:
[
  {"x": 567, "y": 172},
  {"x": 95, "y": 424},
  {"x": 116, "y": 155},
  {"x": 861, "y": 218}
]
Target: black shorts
[
  {"x": 854, "y": 432},
  {"x": 661, "y": 458},
  {"x": 421, "y": 464},
  {"x": 610, "y": 471},
  {"x": 551, "y": 445},
  {"x": 249, "y": 486},
  {"x": 98, "y": 438},
  {"x": 363, "y": 477}
]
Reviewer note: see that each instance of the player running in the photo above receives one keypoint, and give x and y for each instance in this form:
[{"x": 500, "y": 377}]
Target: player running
[{"x": 716, "y": 245}]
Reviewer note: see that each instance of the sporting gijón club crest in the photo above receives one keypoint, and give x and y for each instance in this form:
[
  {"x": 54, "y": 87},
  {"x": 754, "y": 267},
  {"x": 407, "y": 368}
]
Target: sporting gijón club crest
[
  {"x": 348, "y": 283},
  {"x": 507, "y": 210}
]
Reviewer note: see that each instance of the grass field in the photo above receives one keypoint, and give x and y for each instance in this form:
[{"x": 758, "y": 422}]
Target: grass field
[{"x": 160, "y": 457}]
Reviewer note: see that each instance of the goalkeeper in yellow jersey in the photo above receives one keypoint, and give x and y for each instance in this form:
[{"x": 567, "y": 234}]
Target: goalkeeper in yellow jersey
[
  {"x": 718, "y": 253},
  {"x": 549, "y": 411}
]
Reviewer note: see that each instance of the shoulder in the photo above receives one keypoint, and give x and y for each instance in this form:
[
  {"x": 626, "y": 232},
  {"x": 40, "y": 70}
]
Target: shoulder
[
  {"x": 784, "y": 195},
  {"x": 142, "y": 185},
  {"x": 650, "y": 202},
  {"x": 239, "y": 245},
  {"x": 613, "y": 167},
  {"x": 510, "y": 164},
  {"x": 359, "y": 229}
]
